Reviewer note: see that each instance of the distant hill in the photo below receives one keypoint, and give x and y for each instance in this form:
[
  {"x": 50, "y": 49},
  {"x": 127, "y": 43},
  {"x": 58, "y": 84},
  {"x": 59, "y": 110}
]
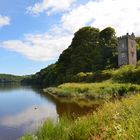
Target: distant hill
[{"x": 7, "y": 78}]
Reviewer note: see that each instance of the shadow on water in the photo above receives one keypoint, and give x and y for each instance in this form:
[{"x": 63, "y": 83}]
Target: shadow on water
[{"x": 68, "y": 108}]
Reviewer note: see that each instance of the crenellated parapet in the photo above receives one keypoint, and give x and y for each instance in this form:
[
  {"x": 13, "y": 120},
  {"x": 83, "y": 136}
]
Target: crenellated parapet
[{"x": 132, "y": 36}]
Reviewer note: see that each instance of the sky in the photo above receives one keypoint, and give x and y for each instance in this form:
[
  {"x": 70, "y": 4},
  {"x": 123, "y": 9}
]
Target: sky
[{"x": 33, "y": 33}]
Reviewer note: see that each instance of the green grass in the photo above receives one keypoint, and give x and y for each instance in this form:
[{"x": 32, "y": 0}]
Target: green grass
[
  {"x": 104, "y": 90},
  {"x": 118, "y": 120}
]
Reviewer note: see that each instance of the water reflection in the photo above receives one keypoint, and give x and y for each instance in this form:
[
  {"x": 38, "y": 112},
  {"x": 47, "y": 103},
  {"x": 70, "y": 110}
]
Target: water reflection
[
  {"x": 23, "y": 109},
  {"x": 30, "y": 118},
  {"x": 8, "y": 86},
  {"x": 71, "y": 109}
]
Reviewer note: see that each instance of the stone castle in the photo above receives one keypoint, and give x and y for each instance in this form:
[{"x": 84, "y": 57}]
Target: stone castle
[{"x": 127, "y": 54}]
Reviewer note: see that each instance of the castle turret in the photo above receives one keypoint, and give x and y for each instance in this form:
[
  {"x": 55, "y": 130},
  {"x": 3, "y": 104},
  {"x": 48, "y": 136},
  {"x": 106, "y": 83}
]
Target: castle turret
[{"x": 127, "y": 53}]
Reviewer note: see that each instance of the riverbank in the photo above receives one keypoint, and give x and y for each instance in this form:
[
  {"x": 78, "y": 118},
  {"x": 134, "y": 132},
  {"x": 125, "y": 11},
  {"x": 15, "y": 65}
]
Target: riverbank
[
  {"x": 93, "y": 91},
  {"x": 115, "y": 120}
]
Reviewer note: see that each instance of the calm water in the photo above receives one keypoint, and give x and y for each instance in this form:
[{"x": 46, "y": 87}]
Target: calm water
[{"x": 23, "y": 109}]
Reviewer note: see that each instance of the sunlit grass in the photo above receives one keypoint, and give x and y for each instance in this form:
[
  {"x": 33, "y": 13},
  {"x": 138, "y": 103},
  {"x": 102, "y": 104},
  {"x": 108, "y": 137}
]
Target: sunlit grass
[{"x": 103, "y": 90}]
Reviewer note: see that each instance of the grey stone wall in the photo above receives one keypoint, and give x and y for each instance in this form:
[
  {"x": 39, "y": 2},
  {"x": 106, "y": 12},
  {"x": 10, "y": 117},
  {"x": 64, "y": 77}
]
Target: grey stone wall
[{"x": 127, "y": 53}]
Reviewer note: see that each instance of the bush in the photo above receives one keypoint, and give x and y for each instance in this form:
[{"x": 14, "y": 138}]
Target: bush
[{"x": 127, "y": 74}]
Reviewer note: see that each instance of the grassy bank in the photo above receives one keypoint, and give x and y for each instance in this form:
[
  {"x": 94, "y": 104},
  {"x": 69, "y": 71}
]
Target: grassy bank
[
  {"x": 118, "y": 120},
  {"x": 104, "y": 90}
]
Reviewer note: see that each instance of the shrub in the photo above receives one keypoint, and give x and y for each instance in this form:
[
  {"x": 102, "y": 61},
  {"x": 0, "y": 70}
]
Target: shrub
[{"x": 127, "y": 73}]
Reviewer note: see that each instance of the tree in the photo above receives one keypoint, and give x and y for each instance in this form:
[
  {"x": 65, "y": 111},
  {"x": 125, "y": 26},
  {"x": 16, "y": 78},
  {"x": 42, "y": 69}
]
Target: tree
[
  {"x": 83, "y": 53},
  {"x": 138, "y": 47},
  {"x": 108, "y": 42}
]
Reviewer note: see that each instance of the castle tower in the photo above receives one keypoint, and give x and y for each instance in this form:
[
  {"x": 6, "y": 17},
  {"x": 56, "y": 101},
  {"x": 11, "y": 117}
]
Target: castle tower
[{"x": 127, "y": 53}]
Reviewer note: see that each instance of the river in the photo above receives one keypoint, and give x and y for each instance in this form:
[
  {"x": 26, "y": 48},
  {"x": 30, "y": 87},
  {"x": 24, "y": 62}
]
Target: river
[{"x": 24, "y": 108}]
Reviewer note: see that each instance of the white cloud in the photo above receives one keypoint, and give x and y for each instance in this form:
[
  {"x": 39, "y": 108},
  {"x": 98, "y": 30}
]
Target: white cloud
[
  {"x": 122, "y": 15},
  {"x": 78, "y": 17},
  {"x": 49, "y": 6},
  {"x": 41, "y": 47},
  {"x": 4, "y": 20}
]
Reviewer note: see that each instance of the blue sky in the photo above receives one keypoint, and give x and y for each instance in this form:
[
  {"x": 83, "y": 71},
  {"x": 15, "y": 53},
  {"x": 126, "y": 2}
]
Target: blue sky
[{"x": 33, "y": 33}]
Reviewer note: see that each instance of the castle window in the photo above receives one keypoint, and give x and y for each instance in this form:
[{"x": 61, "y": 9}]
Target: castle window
[
  {"x": 132, "y": 53},
  {"x": 123, "y": 55},
  {"x": 132, "y": 45},
  {"x": 123, "y": 46}
]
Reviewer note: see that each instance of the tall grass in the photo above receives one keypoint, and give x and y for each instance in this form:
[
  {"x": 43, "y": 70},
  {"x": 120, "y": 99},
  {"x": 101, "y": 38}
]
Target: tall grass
[{"x": 117, "y": 121}]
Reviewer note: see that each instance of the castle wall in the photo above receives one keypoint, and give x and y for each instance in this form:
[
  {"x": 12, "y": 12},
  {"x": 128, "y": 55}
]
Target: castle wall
[
  {"x": 122, "y": 51},
  {"x": 127, "y": 53},
  {"x": 132, "y": 52}
]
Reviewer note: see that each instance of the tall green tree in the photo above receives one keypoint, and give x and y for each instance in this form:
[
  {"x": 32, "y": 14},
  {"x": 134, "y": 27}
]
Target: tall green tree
[
  {"x": 83, "y": 54},
  {"x": 109, "y": 42},
  {"x": 138, "y": 47}
]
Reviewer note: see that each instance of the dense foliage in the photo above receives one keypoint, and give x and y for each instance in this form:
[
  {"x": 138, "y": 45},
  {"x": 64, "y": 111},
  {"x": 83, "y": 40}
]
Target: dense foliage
[
  {"x": 91, "y": 50},
  {"x": 138, "y": 47}
]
